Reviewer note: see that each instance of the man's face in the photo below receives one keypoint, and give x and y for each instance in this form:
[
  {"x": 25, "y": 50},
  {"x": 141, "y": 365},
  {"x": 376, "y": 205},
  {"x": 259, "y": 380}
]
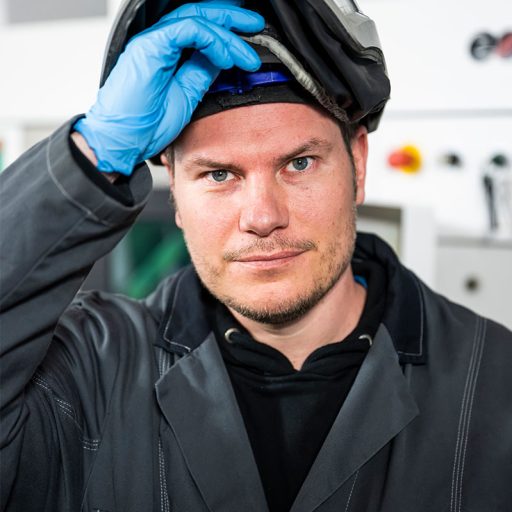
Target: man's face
[{"x": 265, "y": 197}]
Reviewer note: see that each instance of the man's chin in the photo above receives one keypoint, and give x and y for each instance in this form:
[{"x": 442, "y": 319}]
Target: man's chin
[
  {"x": 277, "y": 300},
  {"x": 268, "y": 315},
  {"x": 275, "y": 310}
]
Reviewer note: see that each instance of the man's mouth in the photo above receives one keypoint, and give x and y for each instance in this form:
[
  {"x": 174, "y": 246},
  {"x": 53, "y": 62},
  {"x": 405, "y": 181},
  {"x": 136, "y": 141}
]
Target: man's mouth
[
  {"x": 269, "y": 257},
  {"x": 269, "y": 260},
  {"x": 271, "y": 253}
]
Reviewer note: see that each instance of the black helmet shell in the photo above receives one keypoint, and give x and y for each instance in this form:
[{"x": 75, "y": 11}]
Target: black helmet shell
[{"x": 320, "y": 33}]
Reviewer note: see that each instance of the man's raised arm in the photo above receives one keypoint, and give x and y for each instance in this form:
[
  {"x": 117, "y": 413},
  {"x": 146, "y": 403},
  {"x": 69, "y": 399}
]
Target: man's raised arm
[{"x": 56, "y": 221}]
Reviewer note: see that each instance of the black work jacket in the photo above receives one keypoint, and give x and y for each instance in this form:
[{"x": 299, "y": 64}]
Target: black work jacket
[{"x": 137, "y": 415}]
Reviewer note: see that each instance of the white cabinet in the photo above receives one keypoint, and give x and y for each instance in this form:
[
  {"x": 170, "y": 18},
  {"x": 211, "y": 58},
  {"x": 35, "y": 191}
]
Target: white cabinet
[{"x": 478, "y": 275}]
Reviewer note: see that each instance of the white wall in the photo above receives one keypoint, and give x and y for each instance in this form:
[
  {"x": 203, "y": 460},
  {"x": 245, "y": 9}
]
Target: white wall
[
  {"x": 50, "y": 70},
  {"x": 442, "y": 101},
  {"x": 426, "y": 44}
]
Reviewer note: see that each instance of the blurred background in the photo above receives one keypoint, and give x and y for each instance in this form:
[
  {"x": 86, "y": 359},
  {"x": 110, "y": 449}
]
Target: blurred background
[{"x": 439, "y": 185}]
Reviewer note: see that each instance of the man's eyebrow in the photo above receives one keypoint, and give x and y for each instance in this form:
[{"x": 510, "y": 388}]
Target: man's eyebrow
[
  {"x": 208, "y": 163},
  {"x": 309, "y": 146}
]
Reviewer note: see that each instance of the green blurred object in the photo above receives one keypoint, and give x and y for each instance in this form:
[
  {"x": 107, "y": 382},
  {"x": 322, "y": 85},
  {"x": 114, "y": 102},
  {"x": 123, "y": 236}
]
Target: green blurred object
[
  {"x": 165, "y": 257},
  {"x": 150, "y": 251}
]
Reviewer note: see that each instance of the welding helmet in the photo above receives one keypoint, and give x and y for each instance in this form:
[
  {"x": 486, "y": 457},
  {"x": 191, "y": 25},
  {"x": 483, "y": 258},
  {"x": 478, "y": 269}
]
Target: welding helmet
[{"x": 329, "y": 46}]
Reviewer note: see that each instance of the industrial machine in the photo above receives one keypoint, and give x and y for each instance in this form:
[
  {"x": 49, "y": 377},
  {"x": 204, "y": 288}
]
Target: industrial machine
[{"x": 445, "y": 141}]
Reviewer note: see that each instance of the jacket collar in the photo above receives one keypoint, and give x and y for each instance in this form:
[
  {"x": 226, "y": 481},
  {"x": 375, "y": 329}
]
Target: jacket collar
[
  {"x": 206, "y": 421},
  {"x": 185, "y": 323},
  {"x": 209, "y": 429}
]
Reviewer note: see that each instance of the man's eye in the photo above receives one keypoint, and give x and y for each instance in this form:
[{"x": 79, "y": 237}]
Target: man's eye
[
  {"x": 219, "y": 176},
  {"x": 300, "y": 164}
]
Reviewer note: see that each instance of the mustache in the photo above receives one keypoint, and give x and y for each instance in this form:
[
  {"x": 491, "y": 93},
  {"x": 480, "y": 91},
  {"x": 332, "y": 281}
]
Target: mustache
[{"x": 269, "y": 246}]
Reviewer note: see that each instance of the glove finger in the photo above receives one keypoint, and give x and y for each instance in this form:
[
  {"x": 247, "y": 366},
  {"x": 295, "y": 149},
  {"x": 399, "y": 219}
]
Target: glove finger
[
  {"x": 156, "y": 55},
  {"x": 198, "y": 34},
  {"x": 190, "y": 84},
  {"x": 158, "y": 52},
  {"x": 197, "y": 10},
  {"x": 195, "y": 77},
  {"x": 242, "y": 54},
  {"x": 238, "y": 3},
  {"x": 223, "y": 48},
  {"x": 225, "y": 14}
]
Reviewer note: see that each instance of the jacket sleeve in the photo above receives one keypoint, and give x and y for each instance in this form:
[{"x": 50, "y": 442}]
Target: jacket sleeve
[{"x": 55, "y": 223}]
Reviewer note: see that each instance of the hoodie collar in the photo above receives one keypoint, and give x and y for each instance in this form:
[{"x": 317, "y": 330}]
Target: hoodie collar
[{"x": 404, "y": 314}]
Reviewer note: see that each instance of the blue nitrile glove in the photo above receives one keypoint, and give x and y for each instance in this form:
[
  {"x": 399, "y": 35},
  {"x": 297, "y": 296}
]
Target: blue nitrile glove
[{"x": 145, "y": 102}]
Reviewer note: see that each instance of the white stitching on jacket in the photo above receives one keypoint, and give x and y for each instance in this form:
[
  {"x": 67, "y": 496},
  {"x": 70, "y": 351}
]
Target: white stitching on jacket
[
  {"x": 164, "y": 498},
  {"x": 465, "y": 416},
  {"x": 67, "y": 409},
  {"x": 164, "y": 363},
  {"x": 351, "y": 491}
]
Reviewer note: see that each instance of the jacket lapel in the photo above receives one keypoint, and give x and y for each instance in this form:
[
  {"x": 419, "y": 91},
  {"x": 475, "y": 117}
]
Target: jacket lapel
[
  {"x": 377, "y": 408},
  {"x": 198, "y": 401}
]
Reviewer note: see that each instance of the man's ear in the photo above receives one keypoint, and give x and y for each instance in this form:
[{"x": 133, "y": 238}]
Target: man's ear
[
  {"x": 170, "y": 172},
  {"x": 360, "y": 152}
]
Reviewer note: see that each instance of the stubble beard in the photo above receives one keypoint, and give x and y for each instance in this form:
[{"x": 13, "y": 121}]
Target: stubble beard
[{"x": 335, "y": 260}]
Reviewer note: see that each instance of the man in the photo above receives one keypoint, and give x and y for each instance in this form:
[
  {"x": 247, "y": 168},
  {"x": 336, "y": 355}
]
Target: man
[{"x": 288, "y": 369}]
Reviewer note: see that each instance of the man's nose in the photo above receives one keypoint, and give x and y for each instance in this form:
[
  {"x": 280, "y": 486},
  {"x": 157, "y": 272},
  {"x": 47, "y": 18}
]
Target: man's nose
[{"x": 264, "y": 207}]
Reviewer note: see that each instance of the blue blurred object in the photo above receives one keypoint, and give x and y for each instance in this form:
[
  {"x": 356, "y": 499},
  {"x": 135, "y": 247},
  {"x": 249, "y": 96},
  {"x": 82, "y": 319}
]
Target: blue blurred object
[{"x": 238, "y": 82}]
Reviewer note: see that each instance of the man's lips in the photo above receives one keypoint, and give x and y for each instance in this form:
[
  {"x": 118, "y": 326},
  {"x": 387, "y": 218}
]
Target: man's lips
[
  {"x": 279, "y": 257},
  {"x": 268, "y": 257}
]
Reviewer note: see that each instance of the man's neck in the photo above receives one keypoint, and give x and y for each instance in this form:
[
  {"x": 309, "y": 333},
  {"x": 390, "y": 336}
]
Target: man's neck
[{"x": 330, "y": 321}]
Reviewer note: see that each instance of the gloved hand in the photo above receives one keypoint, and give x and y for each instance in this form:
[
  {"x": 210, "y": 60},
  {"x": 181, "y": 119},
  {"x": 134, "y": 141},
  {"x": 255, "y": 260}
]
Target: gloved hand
[{"x": 146, "y": 102}]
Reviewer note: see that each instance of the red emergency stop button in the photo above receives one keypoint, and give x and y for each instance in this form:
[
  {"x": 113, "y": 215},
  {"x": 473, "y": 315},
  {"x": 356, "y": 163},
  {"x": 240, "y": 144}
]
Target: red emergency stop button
[
  {"x": 504, "y": 48},
  {"x": 406, "y": 159}
]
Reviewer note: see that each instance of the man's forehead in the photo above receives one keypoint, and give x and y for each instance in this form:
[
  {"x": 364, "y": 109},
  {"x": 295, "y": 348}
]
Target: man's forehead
[
  {"x": 280, "y": 125},
  {"x": 278, "y": 157}
]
